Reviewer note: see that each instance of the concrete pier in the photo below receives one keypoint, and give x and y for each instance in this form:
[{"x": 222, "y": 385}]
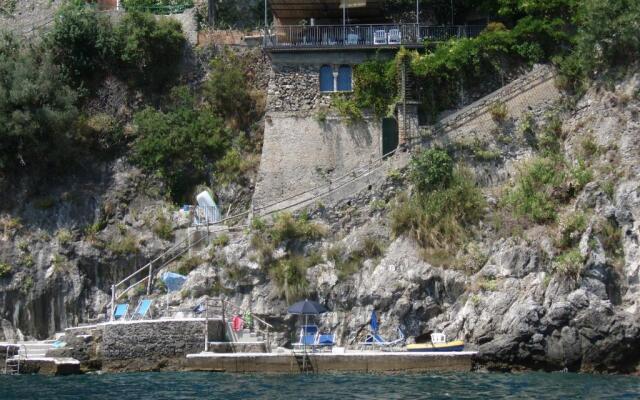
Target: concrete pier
[
  {"x": 50, "y": 366},
  {"x": 365, "y": 361}
]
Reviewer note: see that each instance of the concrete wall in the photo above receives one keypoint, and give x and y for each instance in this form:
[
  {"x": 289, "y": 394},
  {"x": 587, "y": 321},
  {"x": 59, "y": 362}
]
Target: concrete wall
[
  {"x": 300, "y": 153},
  {"x": 350, "y": 362},
  {"x": 150, "y": 345}
]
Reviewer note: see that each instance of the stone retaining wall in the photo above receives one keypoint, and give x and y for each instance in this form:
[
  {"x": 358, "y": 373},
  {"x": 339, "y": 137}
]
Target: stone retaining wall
[
  {"x": 301, "y": 152},
  {"x": 151, "y": 345},
  {"x": 533, "y": 90}
]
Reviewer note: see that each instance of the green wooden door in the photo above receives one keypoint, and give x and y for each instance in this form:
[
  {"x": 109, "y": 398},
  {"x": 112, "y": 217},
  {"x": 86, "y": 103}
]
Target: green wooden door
[{"x": 389, "y": 135}]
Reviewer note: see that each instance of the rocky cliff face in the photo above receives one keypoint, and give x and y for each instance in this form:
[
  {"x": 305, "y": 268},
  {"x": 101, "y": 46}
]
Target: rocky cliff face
[
  {"x": 507, "y": 297},
  {"x": 64, "y": 243},
  {"x": 503, "y": 295}
]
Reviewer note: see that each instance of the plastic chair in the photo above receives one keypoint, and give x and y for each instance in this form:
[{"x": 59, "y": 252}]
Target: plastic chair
[
  {"x": 352, "y": 39},
  {"x": 395, "y": 37},
  {"x": 142, "y": 309},
  {"x": 121, "y": 311},
  {"x": 380, "y": 37}
]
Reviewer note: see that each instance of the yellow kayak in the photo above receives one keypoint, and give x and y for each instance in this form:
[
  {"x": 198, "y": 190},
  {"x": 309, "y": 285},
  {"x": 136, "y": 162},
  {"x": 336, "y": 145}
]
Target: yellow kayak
[{"x": 456, "y": 345}]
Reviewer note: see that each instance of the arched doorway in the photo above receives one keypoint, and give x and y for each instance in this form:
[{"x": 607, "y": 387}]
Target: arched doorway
[{"x": 389, "y": 135}]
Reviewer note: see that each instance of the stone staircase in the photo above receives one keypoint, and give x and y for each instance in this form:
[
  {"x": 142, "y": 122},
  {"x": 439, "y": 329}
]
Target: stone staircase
[{"x": 246, "y": 336}]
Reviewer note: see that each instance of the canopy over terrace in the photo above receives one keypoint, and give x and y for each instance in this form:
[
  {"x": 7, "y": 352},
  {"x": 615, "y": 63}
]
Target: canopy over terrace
[{"x": 327, "y": 12}]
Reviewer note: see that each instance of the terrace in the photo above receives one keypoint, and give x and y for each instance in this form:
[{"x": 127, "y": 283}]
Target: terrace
[{"x": 368, "y": 36}]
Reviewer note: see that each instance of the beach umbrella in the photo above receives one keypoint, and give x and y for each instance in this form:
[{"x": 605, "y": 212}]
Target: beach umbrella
[
  {"x": 374, "y": 322},
  {"x": 306, "y": 307}
]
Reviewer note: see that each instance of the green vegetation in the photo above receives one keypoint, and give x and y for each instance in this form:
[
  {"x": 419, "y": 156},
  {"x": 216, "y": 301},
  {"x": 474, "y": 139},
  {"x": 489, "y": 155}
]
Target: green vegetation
[
  {"x": 124, "y": 245},
  {"x": 291, "y": 234},
  {"x": 569, "y": 264},
  {"x": 181, "y": 143},
  {"x": 139, "y": 48},
  {"x": 163, "y": 227},
  {"x": 5, "y": 270},
  {"x": 27, "y": 285},
  {"x": 347, "y": 107},
  {"x": 27, "y": 261},
  {"x": 569, "y": 32},
  {"x": 157, "y": 6},
  {"x": 498, "y": 111},
  {"x": 228, "y": 94},
  {"x": 431, "y": 170},
  {"x": 570, "y": 230},
  {"x": 488, "y": 284},
  {"x": 35, "y": 118},
  {"x": 189, "y": 264},
  {"x": 534, "y": 193},
  {"x": 42, "y": 123},
  {"x": 610, "y": 235},
  {"x": 348, "y": 263},
  {"x": 375, "y": 85},
  {"x": 444, "y": 208},
  {"x": 64, "y": 236},
  {"x": 83, "y": 41},
  {"x": 221, "y": 240}
]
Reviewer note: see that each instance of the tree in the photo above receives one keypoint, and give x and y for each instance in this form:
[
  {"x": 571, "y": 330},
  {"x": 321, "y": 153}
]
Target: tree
[
  {"x": 227, "y": 92},
  {"x": 182, "y": 143},
  {"x": 150, "y": 50},
  {"x": 82, "y": 41},
  {"x": 37, "y": 108}
]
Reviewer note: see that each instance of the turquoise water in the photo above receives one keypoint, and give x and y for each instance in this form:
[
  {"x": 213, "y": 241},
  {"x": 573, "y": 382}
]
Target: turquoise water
[{"x": 159, "y": 386}]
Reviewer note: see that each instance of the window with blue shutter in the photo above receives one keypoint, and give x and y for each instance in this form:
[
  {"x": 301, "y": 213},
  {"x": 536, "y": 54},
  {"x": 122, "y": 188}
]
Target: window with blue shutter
[
  {"x": 344, "y": 79},
  {"x": 326, "y": 78}
]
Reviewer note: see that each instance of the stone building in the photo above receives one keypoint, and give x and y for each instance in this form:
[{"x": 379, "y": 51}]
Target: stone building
[{"x": 314, "y": 46}]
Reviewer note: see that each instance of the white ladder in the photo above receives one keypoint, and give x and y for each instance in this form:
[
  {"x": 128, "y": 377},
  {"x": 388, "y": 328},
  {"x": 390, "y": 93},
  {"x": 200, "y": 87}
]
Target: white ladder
[{"x": 11, "y": 363}]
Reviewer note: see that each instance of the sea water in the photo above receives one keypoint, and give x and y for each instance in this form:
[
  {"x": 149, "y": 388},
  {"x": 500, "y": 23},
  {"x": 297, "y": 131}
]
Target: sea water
[{"x": 159, "y": 386}]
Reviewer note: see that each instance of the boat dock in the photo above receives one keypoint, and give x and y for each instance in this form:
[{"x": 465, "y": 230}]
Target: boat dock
[{"x": 351, "y": 361}]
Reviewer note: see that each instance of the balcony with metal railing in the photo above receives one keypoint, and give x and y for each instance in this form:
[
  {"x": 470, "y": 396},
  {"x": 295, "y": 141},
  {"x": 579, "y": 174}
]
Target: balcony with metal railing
[{"x": 302, "y": 37}]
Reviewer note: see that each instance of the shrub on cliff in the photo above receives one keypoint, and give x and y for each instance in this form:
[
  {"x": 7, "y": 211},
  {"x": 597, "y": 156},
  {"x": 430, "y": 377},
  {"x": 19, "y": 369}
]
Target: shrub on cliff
[
  {"x": 181, "y": 143},
  {"x": 227, "y": 91},
  {"x": 82, "y": 41},
  {"x": 441, "y": 218},
  {"x": 431, "y": 170},
  {"x": 533, "y": 194},
  {"x": 37, "y": 107},
  {"x": 150, "y": 50}
]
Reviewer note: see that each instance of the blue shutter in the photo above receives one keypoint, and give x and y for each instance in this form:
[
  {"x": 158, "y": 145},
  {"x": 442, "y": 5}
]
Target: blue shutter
[
  {"x": 326, "y": 78},
  {"x": 344, "y": 79}
]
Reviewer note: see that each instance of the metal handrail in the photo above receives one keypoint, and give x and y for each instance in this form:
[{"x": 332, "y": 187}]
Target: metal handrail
[
  {"x": 115, "y": 296},
  {"x": 318, "y": 36},
  {"x": 268, "y": 325}
]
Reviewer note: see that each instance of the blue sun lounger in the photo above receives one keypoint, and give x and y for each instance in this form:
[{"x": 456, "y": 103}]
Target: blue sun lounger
[
  {"x": 307, "y": 337},
  {"x": 142, "y": 309},
  {"x": 374, "y": 340},
  {"x": 325, "y": 341},
  {"x": 121, "y": 311}
]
